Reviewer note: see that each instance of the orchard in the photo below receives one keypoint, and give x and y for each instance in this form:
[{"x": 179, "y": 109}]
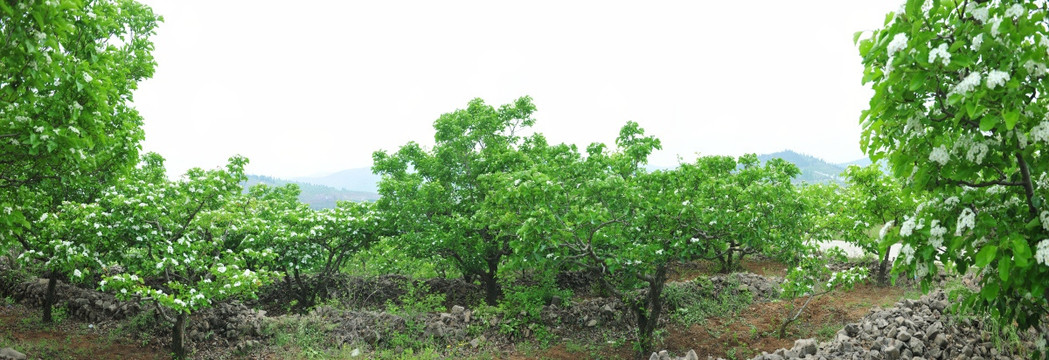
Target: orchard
[{"x": 495, "y": 242}]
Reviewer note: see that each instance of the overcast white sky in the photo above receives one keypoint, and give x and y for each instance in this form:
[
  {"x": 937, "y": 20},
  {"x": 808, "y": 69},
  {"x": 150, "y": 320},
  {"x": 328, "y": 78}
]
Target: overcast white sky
[{"x": 312, "y": 87}]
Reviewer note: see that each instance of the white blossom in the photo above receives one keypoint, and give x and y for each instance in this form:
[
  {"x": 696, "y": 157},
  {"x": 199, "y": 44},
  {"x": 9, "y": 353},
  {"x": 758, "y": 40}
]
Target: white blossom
[
  {"x": 884, "y": 229},
  {"x": 1041, "y": 254},
  {"x": 77, "y": 273},
  {"x": 996, "y": 22},
  {"x": 980, "y": 13},
  {"x": 1040, "y": 132},
  {"x": 221, "y": 269},
  {"x": 899, "y": 42},
  {"x": 939, "y": 155},
  {"x": 1044, "y": 217},
  {"x": 908, "y": 227},
  {"x": 996, "y": 78},
  {"x": 968, "y": 84},
  {"x": 1014, "y": 11},
  {"x": 921, "y": 270},
  {"x": 1036, "y": 69},
  {"x": 977, "y": 41},
  {"x": 908, "y": 253},
  {"x": 940, "y": 52},
  {"x": 966, "y": 220},
  {"x": 976, "y": 152}
]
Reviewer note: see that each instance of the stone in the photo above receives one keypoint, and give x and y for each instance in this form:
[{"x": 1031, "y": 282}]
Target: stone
[
  {"x": 940, "y": 341},
  {"x": 903, "y": 336},
  {"x": 456, "y": 310},
  {"x": 891, "y": 352},
  {"x": 11, "y": 354},
  {"x": 591, "y": 323},
  {"x": 477, "y": 341},
  {"x": 806, "y": 346},
  {"x": 691, "y": 355},
  {"x": 852, "y": 330}
]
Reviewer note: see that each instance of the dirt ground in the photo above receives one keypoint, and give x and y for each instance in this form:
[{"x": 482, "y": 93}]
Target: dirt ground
[{"x": 21, "y": 328}]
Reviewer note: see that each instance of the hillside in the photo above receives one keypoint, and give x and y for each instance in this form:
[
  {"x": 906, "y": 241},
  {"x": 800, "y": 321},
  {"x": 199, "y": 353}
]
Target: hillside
[
  {"x": 813, "y": 169},
  {"x": 357, "y": 179},
  {"x": 317, "y": 196}
]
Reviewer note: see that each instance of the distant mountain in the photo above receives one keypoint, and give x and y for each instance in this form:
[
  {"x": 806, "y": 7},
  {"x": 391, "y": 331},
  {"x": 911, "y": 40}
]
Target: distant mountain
[
  {"x": 358, "y": 179},
  {"x": 813, "y": 169},
  {"x": 317, "y": 196}
]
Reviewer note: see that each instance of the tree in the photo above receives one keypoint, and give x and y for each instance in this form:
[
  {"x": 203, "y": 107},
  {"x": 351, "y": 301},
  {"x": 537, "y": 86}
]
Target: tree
[
  {"x": 433, "y": 196},
  {"x": 67, "y": 72},
  {"x": 605, "y": 213},
  {"x": 958, "y": 112},
  {"x": 874, "y": 199},
  {"x": 170, "y": 238}
]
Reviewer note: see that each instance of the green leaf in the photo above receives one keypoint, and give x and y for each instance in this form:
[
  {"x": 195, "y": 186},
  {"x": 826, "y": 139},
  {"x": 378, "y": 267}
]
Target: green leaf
[
  {"x": 985, "y": 255},
  {"x": 855, "y": 36},
  {"x": 1004, "y": 266},
  {"x": 917, "y": 81},
  {"x": 1010, "y": 118},
  {"x": 990, "y": 291},
  {"x": 1021, "y": 252},
  {"x": 970, "y": 109},
  {"x": 987, "y": 123}
]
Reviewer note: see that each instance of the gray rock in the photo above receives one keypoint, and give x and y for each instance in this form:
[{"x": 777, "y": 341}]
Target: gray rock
[
  {"x": 806, "y": 346},
  {"x": 591, "y": 323},
  {"x": 11, "y": 354}
]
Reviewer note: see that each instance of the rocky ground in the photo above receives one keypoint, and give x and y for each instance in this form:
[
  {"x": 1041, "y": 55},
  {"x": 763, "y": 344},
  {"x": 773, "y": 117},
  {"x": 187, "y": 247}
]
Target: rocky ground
[{"x": 363, "y": 322}]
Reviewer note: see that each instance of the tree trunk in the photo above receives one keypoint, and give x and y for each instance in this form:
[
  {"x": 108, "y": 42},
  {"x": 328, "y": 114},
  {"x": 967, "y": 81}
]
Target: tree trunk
[
  {"x": 49, "y": 297},
  {"x": 883, "y": 278},
  {"x": 647, "y": 320},
  {"x": 178, "y": 336},
  {"x": 492, "y": 291}
]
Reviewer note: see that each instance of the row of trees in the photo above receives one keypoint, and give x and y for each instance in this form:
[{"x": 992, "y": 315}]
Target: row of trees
[{"x": 956, "y": 115}]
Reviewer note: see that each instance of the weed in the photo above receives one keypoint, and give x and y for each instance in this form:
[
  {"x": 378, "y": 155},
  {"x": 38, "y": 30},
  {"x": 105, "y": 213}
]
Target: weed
[{"x": 693, "y": 303}]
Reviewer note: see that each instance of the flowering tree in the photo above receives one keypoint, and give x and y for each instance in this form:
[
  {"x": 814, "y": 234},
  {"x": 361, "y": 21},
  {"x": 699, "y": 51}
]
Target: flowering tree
[
  {"x": 67, "y": 72},
  {"x": 169, "y": 237},
  {"x": 958, "y": 111},
  {"x": 433, "y": 195},
  {"x": 321, "y": 242},
  {"x": 605, "y": 213},
  {"x": 873, "y": 198}
]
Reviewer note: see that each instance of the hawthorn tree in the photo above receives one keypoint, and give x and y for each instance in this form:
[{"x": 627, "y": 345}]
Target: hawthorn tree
[
  {"x": 169, "y": 240},
  {"x": 874, "y": 199},
  {"x": 958, "y": 112},
  {"x": 433, "y": 195},
  {"x": 67, "y": 72}
]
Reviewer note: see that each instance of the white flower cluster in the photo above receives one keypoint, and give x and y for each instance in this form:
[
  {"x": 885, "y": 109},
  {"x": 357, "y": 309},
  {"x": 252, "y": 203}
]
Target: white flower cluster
[
  {"x": 941, "y": 53},
  {"x": 996, "y": 22},
  {"x": 884, "y": 229},
  {"x": 980, "y": 13},
  {"x": 1036, "y": 69},
  {"x": 1016, "y": 10},
  {"x": 908, "y": 227},
  {"x": 968, "y": 84},
  {"x": 1044, "y": 217},
  {"x": 977, "y": 42},
  {"x": 908, "y": 254},
  {"x": 966, "y": 220},
  {"x": 996, "y": 78},
  {"x": 1041, "y": 255},
  {"x": 899, "y": 42},
  {"x": 921, "y": 270},
  {"x": 1040, "y": 132},
  {"x": 939, "y": 155},
  {"x": 976, "y": 153}
]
